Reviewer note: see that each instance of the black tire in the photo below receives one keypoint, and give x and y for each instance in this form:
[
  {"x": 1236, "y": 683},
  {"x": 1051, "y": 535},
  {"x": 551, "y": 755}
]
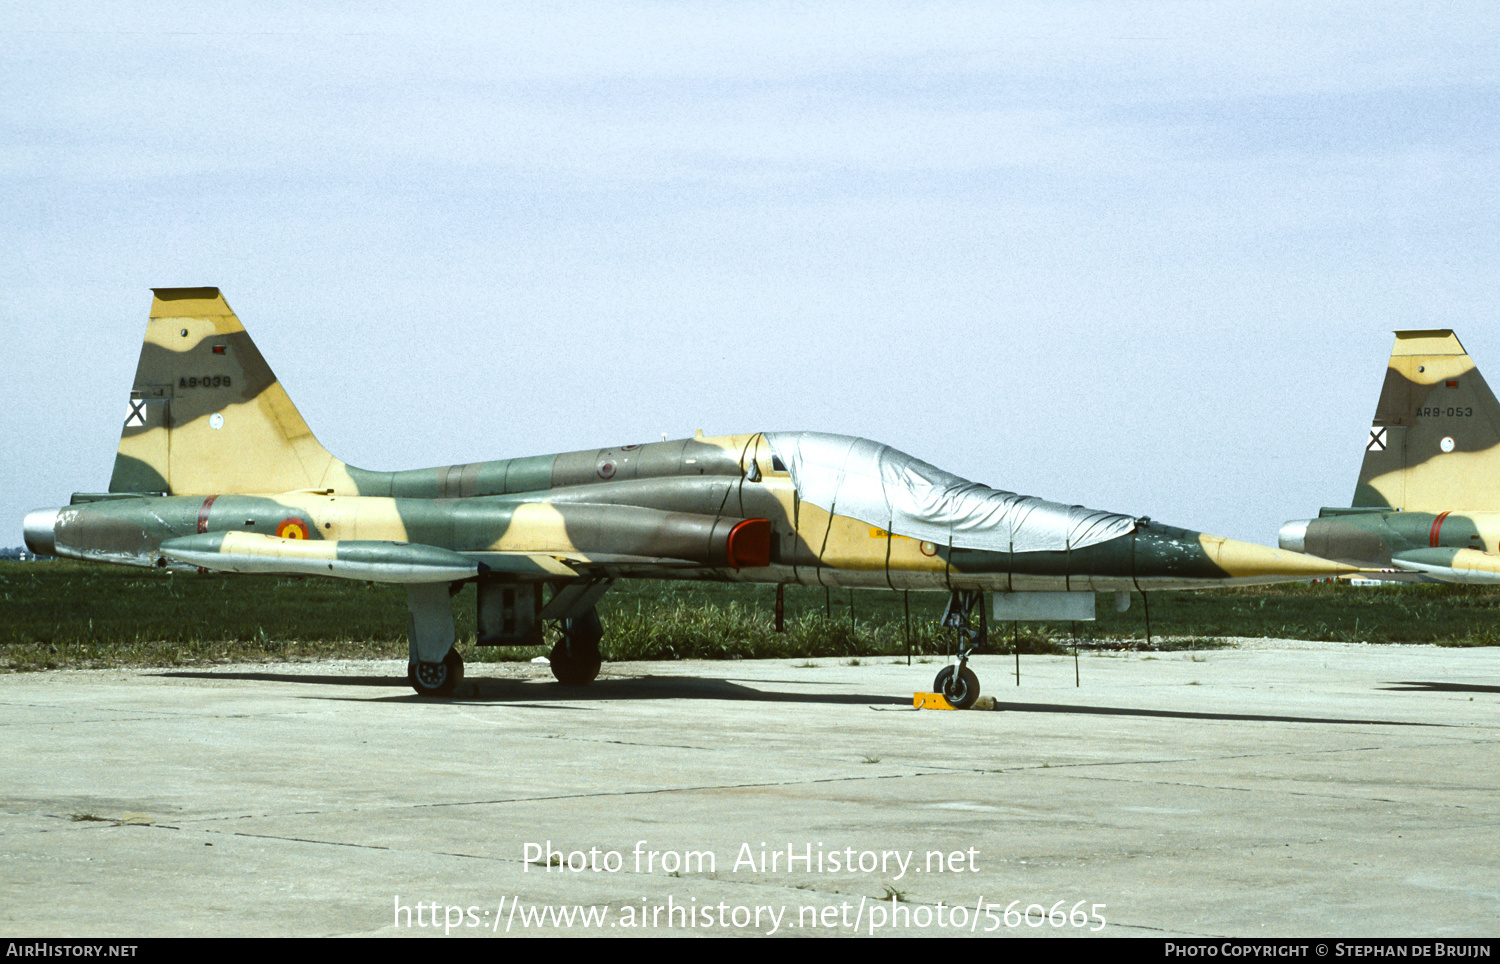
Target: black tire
[
  {"x": 436, "y": 679},
  {"x": 959, "y": 689},
  {"x": 575, "y": 659}
]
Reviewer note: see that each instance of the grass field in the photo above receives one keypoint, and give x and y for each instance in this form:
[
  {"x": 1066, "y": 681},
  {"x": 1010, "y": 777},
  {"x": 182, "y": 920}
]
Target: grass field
[{"x": 66, "y": 614}]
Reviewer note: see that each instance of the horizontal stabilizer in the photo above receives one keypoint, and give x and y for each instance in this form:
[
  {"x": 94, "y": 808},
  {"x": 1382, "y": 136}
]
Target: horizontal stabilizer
[
  {"x": 1451, "y": 564},
  {"x": 395, "y": 562}
]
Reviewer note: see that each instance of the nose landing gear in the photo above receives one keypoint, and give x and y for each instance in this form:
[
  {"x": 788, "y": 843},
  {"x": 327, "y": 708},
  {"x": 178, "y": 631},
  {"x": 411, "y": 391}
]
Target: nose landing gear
[{"x": 958, "y": 684}]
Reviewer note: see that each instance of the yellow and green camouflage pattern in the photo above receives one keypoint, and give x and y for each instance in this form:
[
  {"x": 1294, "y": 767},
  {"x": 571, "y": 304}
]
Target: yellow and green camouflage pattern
[
  {"x": 213, "y": 444},
  {"x": 1434, "y": 443},
  {"x": 216, "y": 469},
  {"x": 1428, "y": 497}
]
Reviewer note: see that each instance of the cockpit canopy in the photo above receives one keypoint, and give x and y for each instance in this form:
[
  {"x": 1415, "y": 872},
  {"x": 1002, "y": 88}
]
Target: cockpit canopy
[{"x": 878, "y": 485}]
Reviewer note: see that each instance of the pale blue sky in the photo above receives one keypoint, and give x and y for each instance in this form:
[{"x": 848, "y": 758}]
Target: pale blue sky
[{"x": 1143, "y": 257}]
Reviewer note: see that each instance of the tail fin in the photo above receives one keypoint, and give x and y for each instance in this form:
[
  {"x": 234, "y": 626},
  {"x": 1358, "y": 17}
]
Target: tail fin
[
  {"x": 206, "y": 413},
  {"x": 1435, "y": 441}
]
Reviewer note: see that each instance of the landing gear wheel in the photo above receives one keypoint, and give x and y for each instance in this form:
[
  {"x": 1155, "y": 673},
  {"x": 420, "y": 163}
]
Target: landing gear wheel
[
  {"x": 436, "y": 679},
  {"x": 959, "y": 688},
  {"x": 575, "y": 662},
  {"x": 575, "y": 659}
]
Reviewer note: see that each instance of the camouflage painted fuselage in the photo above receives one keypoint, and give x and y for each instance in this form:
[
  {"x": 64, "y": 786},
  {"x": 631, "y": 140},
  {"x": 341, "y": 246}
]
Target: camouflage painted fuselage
[
  {"x": 668, "y": 509},
  {"x": 1448, "y": 546},
  {"x": 215, "y": 461}
]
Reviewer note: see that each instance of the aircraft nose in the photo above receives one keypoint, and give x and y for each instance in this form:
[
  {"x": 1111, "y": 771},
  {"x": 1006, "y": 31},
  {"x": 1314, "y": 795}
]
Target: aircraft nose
[{"x": 40, "y": 527}]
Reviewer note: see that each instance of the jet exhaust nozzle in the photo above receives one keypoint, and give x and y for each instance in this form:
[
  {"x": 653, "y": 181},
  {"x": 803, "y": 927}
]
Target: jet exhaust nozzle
[
  {"x": 1293, "y": 535},
  {"x": 40, "y": 527}
]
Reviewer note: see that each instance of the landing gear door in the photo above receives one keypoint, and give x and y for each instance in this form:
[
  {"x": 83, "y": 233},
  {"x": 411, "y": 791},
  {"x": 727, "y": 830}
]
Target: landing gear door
[{"x": 508, "y": 614}]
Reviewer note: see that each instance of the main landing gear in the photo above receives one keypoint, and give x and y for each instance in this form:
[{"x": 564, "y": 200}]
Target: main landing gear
[
  {"x": 433, "y": 667},
  {"x": 958, "y": 684},
  {"x": 509, "y": 614},
  {"x": 436, "y": 679},
  {"x": 575, "y": 659}
]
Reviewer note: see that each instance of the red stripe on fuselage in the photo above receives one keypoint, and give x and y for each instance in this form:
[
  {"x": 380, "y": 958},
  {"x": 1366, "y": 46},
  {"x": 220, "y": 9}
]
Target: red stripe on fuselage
[
  {"x": 1434, "y": 538},
  {"x": 203, "y": 513}
]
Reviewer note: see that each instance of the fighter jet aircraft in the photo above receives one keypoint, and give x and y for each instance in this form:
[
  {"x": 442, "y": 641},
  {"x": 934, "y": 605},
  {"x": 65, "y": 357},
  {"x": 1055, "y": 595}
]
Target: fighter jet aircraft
[
  {"x": 217, "y": 470},
  {"x": 1428, "y": 496}
]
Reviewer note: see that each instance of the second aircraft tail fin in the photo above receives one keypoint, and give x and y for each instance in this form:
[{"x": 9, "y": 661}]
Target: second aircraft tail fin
[{"x": 1434, "y": 444}]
